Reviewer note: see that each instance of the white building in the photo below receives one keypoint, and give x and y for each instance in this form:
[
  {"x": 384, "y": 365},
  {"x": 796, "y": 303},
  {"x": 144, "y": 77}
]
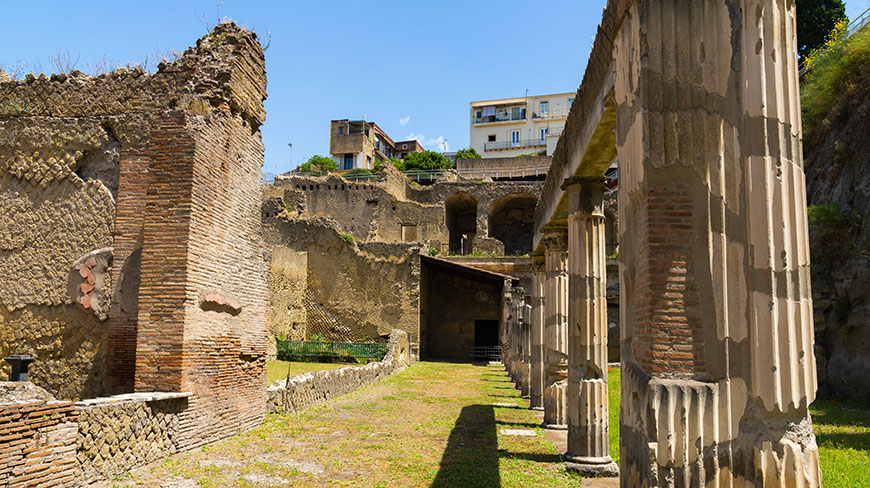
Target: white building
[{"x": 514, "y": 126}]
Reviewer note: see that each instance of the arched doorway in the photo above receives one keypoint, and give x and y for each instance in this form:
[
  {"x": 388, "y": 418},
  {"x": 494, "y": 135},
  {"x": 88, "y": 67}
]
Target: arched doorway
[
  {"x": 461, "y": 211},
  {"x": 512, "y": 221}
]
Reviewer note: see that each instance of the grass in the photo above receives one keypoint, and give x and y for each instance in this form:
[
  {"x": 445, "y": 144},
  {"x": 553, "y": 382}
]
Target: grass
[
  {"x": 277, "y": 370},
  {"x": 438, "y": 425},
  {"x": 843, "y": 434},
  {"x": 434, "y": 425}
]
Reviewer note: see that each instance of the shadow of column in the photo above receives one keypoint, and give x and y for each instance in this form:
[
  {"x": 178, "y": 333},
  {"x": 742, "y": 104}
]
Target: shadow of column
[{"x": 471, "y": 457}]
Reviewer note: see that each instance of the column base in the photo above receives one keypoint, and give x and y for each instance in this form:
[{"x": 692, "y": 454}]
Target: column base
[
  {"x": 592, "y": 466},
  {"x": 539, "y": 409},
  {"x": 555, "y": 426}
]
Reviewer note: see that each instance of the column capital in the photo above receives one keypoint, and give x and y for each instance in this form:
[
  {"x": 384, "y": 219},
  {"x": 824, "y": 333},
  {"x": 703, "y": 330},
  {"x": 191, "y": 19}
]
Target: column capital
[
  {"x": 556, "y": 240},
  {"x": 585, "y": 196}
]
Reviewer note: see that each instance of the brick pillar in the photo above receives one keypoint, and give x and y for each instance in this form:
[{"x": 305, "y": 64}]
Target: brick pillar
[
  {"x": 556, "y": 332},
  {"x": 588, "y": 432},
  {"x": 717, "y": 340},
  {"x": 536, "y": 381}
]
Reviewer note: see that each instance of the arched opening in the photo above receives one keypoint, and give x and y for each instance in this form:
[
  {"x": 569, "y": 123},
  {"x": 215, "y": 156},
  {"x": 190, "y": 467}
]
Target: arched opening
[
  {"x": 512, "y": 221},
  {"x": 461, "y": 211}
]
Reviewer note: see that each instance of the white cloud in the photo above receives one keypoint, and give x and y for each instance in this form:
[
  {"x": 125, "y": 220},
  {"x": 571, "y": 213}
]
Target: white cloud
[
  {"x": 438, "y": 144},
  {"x": 404, "y": 120}
]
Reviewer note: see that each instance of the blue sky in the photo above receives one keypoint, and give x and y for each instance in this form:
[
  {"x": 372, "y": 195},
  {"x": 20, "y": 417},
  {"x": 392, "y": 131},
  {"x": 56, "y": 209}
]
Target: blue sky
[{"x": 410, "y": 66}]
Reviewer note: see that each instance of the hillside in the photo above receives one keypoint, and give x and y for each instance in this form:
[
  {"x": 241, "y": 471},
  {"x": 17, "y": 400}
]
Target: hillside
[{"x": 835, "y": 98}]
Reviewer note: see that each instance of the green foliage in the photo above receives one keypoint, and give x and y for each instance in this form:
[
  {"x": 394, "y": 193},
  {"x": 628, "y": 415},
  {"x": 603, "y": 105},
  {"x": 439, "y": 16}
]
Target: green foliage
[
  {"x": 815, "y": 19},
  {"x": 469, "y": 153},
  {"x": 348, "y": 238},
  {"x": 322, "y": 162},
  {"x": 832, "y": 232},
  {"x": 837, "y": 76},
  {"x": 531, "y": 155},
  {"x": 433, "y": 251},
  {"x": 426, "y": 160},
  {"x": 317, "y": 337}
]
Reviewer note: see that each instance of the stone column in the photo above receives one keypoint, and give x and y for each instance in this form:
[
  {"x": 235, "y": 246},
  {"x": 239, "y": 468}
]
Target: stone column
[
  {"x": 536, "y": 382},
  {"x": 526, "y": 363},
  {"x": 556, "y": 332},
  {"x": 717, "y": 336},
  {"x": 588, "y": 432}
]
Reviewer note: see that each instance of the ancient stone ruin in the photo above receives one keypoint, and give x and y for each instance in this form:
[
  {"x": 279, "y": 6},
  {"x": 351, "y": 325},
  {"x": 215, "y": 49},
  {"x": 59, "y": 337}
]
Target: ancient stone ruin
[
  {"x": 142, "y": 256},
  {"x": 133, "y": 261}
]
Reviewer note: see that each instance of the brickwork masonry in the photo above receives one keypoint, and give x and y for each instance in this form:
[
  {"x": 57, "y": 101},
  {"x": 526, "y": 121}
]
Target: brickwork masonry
[{"x": 307, "y": 389}]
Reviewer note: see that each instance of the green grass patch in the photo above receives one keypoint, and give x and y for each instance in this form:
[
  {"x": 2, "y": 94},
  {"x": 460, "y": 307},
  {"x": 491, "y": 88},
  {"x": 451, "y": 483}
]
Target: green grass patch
[{"x": 843, "y": 434}]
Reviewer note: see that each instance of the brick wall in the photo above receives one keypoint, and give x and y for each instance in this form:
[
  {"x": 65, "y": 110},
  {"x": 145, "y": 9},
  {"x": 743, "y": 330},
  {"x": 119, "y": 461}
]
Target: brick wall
[
  {"x": 37, "y": 437},
  {"x": 668, "y": 338}
]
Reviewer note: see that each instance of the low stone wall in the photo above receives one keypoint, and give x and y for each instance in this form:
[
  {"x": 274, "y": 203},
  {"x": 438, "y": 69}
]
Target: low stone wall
[
  {"x": 119, "y": 433},
  {"x": 309, "y": 389}
]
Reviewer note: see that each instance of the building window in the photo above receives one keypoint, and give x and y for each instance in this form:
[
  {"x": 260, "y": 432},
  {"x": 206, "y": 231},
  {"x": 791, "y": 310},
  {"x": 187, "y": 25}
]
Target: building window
[
  {"x": 348, "y": 161},
  {"x": 478, "y": 116},
  {"x": 515, "y": 113},
  {"x": 570, "y": 102},
  {"x": 545, "y": 108},
  {"x": 341, "y": 131},
  {"x": 409, "y": 232},
  {"x": 515, "y": 138},
  {"x": 368, "y": 162},
  {"x": 544, "y": 133},
  {"x": 490, "y": 138}
]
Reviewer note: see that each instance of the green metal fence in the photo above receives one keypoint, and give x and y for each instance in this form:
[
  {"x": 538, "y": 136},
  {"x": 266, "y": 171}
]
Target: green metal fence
[{"x": 290, "y": 350}]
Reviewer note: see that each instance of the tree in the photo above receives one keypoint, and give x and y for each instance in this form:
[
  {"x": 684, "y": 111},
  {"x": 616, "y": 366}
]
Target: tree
[
  {"x": 469, "y": 153},
  {"x": 815, "y": 19},
  {"x": 427, "y": 160},
  {"x": 322, "y": 162}
]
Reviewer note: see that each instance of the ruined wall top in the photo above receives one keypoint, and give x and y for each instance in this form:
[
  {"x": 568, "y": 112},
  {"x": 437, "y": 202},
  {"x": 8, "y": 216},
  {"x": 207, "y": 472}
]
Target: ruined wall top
[{"x": 226, "y": 68}]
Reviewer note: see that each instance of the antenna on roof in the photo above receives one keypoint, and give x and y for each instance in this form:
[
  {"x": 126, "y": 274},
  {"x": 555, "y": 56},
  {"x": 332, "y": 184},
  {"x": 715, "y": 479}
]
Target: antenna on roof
[{"x": 364, "y": 116}]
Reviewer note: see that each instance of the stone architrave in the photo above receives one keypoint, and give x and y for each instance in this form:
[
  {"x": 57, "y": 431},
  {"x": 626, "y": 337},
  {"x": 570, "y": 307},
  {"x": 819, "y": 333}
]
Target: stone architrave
[
  {"x": 537, "y": 367},
  {"x": 588, "y": 433},
  {"x": 718, "y": 369},
  {"x": 556, "y": 332}
]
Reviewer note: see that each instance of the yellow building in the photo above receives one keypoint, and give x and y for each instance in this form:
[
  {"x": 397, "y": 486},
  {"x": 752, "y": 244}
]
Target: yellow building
[{"x": 514, "y": 126}]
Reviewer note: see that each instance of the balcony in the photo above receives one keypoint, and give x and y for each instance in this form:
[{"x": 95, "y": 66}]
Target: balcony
[
  {"x": 549, "y": 115},
  {"x": 495, "y": 146},
  {"x": 502, "y": 116}
]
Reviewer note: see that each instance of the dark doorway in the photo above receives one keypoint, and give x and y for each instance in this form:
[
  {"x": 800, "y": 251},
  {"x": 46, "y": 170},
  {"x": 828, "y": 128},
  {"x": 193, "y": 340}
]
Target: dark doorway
[
  {"x": 486, "y": 333},
  {"x": 461, "y": 222},
  {"x": 512, "y": 221}
]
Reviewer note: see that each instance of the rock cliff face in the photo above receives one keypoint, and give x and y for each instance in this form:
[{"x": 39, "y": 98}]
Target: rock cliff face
[{"x": 837, "y": 164}]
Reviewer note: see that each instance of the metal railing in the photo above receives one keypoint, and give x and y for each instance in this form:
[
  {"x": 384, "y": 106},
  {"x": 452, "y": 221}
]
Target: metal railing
[
  {"x": 433, "y": 174},
  {"x": 489, "y": 353},
  {"x": 491, "y": 146},
  {"x": 289, "y": 350}
]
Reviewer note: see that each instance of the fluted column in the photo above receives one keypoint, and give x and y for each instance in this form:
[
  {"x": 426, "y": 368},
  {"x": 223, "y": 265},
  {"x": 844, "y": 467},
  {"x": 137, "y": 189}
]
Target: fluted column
[
  {"x": 588, "y": 432},
  {"x": 718, "y": 369},
  {"x": 526, "y": 359},
  {"x": 556, "y": 333},
  {"x": 536, "y": 381}
]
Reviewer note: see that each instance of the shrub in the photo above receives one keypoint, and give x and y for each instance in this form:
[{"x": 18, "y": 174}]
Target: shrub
[
  {"x": 322, "y": 162},
  {"x": 832, "y": 231},
  {"x": 835, "y": 74},
  {"x": 433, "y": 251},
  {"x": 469, "y": 153},
  {"x": 426, "y": 160},
  {"x": 348, "y": 238}
]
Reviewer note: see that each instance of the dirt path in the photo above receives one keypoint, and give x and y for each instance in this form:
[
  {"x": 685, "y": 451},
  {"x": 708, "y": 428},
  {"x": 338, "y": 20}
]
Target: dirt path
[{"x": 436, "y": 425}]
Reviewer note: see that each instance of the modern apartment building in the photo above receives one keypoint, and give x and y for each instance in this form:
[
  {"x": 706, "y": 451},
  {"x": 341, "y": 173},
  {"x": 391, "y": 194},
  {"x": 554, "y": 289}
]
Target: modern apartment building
[
  {"x": 358, "y": 144},
  {"x": 514, "y": 126}
]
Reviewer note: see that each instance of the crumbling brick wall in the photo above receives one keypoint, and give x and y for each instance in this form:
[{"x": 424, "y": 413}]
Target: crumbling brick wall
[{"x": 131, "y": 239}]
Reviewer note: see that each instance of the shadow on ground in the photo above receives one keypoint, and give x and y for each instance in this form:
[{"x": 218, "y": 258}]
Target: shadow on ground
[{"x": 471, "y": 457}]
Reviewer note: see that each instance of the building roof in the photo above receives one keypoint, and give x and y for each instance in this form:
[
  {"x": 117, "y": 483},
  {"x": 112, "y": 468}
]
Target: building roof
[
  {"x": 467, "y": 272},
  {"x": 502, "y": 101}
]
